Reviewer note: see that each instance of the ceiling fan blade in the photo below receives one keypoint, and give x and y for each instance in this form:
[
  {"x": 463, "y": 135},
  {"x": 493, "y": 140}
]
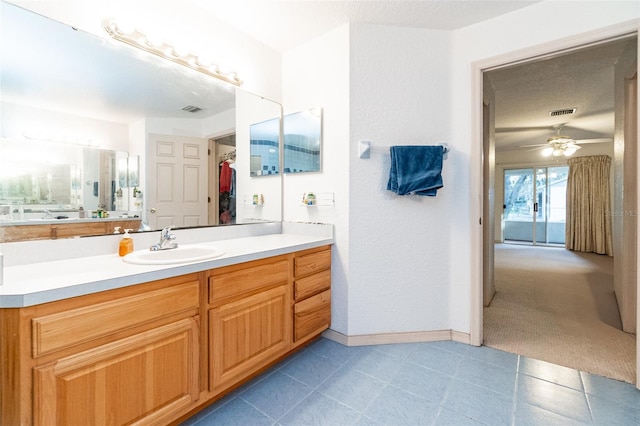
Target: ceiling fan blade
[
  {"x": 520, "y": 129},
  {"x": 594, "y": 140},
  {"x": 531, "y": 146}
]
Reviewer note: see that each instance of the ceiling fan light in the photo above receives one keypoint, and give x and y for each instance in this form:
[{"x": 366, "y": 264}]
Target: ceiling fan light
[
  {"x": 547, "y": 152},
  {"x": 557, "y": 152},
  {"x": 570, "y": 151}
]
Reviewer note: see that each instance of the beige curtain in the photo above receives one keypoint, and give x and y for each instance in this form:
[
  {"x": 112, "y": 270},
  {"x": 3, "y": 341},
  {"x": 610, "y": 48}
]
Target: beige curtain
[{"x": 588, "y": 226}]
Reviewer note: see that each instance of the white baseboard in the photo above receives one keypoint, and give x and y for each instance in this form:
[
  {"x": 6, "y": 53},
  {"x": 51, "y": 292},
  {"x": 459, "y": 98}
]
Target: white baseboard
[{"x": 388, "y": 338}]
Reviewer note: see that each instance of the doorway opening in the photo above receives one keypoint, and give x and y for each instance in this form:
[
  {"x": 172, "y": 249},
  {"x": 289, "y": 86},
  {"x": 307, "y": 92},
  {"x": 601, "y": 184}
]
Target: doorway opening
[
  {"x": 222, "y": 180},
  {"x": 527, "y": 218}
]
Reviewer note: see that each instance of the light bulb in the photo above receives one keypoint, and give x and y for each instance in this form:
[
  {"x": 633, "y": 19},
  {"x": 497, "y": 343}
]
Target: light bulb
[{"x": 547, "y": 152}]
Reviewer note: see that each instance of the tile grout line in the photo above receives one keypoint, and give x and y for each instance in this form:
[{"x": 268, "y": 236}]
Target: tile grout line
[
  {"x": 514, "y": 405},
  {"x": 584, "y": 391}
]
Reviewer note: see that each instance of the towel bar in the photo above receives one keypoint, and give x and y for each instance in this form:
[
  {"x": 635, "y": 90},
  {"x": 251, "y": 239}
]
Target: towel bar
[{"x": 365, "y": 149}]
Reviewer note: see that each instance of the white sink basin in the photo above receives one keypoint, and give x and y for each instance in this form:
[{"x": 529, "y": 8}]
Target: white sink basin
[{"x": 181, "y": 254}]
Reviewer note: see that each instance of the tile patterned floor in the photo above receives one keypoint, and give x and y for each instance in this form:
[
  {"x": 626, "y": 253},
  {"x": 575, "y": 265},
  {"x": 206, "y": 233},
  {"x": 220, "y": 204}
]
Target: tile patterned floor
[{"x": 439, "y": 383}]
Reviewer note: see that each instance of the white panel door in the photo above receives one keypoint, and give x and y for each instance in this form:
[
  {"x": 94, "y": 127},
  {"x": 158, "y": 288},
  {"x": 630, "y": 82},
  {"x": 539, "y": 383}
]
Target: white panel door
[{"x": 177, "y": 181}]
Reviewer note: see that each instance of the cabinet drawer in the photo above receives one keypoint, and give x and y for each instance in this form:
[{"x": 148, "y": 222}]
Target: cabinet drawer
[
  {"x": 308, "y": 286},
  {"x": 311, "y": 263},
  {"x": 69, "y": 328},
  {"x": 227, "y": 283},
  {"x": 313, "y": 315}
]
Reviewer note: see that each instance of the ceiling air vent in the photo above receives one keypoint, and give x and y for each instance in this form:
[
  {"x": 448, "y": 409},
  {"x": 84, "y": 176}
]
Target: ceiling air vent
[
  {"x": 191, "y": 108},
  {"x": 565, "y": 111}
]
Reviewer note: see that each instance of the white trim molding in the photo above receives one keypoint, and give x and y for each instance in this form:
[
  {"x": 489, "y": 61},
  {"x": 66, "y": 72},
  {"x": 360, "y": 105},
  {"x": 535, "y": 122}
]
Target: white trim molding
[{"x": 389, "y": 338}]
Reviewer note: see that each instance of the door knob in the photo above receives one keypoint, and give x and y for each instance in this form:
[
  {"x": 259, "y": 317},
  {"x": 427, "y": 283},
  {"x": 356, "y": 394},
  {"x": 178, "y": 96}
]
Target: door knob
[{"x": 152, "y": 210}]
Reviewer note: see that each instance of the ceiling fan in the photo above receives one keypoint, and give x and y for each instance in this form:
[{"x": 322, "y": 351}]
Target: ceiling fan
[{"x": 561, "y": 145}]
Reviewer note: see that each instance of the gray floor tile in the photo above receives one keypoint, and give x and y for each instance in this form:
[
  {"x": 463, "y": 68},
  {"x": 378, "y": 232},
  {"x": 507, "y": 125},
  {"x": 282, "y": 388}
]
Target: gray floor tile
[
  {"x": 367, "y": 421},
  {"x": 489, "y": 376},
  {"x": 318, "y": 409},
  {"x": 451, "y": 346},
  {"x": 397, "y": 407},
  {"x": 616, "y": 391},
  {"x": 451, "y": 418},
  {"x": 310, "y": 368},
  {"x": 334, "y": 351},
  {"x": 376, "y": 364},
  {"x": 276, "y": 395},
  {"x": 438, "y": 383},
  {"x": 552, "y": 373},
  {"x": 479, "y": 403},
  {"x": 401, "y": 350},
  {"x": 436, "y": 359},
  {"x": 494, "y": 356},
  {"x": 353, "y": 388},
  {"x": 555, "y": 398},
  {"x": 235, "y": 413},
  {"x": 530, "y": 415},
  {"x": 608, "y": 413},
  {"x": 424, "y": 382}
]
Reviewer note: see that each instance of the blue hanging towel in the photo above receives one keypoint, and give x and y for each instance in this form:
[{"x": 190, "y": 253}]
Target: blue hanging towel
[{"x": 416, "y": 169}]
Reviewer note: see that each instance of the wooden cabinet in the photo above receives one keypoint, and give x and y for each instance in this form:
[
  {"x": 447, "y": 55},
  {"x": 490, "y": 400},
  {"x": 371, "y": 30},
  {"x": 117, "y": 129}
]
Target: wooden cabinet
[
  {"x": 118, "y": 357},
  {"x": 249, "y": 319},
  {"x": 312, "y": 294},
  {"x": 153, "y": 353}
]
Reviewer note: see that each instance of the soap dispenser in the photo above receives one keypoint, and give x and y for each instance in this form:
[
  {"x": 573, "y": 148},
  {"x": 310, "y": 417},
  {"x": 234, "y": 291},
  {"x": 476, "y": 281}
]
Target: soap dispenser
[{"x": 126, "y": 243}]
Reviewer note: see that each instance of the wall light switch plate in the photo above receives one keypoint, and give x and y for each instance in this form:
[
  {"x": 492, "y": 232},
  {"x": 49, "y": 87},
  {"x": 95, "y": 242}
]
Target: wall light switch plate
[{"x": 364, "y": 149}]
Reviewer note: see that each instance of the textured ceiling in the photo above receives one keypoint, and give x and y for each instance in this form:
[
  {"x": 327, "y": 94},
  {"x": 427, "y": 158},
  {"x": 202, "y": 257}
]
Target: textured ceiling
[
  {"x": 583, "y": 79},
  {"x": 283, "y": 25}
]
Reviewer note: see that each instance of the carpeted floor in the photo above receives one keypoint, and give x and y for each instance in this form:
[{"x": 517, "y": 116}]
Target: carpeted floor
[{"x": 558, "y": 306}]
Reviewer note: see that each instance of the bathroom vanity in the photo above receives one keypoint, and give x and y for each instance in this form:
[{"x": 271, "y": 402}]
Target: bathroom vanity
[{"x": 151, "y": 344}]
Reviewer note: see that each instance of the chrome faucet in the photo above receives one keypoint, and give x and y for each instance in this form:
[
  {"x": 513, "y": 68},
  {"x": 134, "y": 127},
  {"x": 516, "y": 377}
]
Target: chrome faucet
[{"x": 166, "y": 240}]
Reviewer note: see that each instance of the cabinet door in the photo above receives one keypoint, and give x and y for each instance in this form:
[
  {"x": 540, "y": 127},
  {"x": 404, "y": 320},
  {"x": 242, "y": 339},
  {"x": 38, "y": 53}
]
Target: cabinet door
[
  {"x": 247, "y": 334},
  {"x": 148, "y": 378}
]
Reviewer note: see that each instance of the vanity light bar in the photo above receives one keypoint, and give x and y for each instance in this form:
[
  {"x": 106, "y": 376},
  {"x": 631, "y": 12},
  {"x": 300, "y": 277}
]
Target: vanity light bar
[
  {"x": 60, "y": 138},
  {"x": 164, "y": 50}
]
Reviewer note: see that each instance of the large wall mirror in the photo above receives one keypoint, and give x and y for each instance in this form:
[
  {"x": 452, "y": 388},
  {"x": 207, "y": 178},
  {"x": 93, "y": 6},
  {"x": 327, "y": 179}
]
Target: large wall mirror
[{"x": 108, "y": 115}]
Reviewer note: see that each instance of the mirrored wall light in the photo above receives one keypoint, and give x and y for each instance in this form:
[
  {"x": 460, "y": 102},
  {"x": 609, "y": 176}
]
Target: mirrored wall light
[{"x": 177, "y": 54}]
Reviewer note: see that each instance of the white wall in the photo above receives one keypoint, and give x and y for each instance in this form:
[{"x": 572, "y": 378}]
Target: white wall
[
  {"x": 399, "y": 256},
  {"x": 390, "y": 274},
  {"x": 317, "y": 74},
  {"x": 625, "y": 232}
]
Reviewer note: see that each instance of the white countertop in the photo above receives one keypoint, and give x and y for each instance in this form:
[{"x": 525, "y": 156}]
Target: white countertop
[{"x": 36, "y": 283}]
